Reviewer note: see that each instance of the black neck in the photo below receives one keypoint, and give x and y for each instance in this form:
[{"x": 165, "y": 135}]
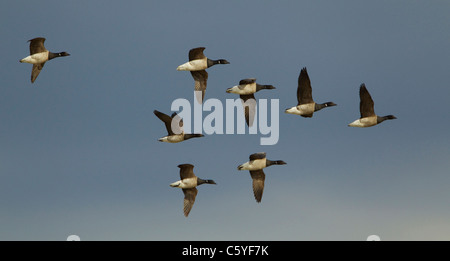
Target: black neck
[
  {"x": 203, "y": 181},
  {"x": 274, "y": 162},
  {"x": 323, "y": 105},
  {"x": 260, "y": 87},
  {"x": 387, "y": 117},
  {"x": 189, "y": 136},
  {"x": 214, "y": 62},
  {"x": 53, "y": 55}
]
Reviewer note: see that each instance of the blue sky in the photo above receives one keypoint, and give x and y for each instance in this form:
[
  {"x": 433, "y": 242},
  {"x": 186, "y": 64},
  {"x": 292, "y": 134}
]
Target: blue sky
[{"x": 79, "y": 151}]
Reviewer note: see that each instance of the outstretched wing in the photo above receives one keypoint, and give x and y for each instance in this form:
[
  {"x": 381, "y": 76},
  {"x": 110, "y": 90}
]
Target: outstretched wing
[
  {"x": 186, "y": 171},
  {"x": 189, "y": 200},
  {"x": 366, "y": 105},
  {"x": 200, "y": 78},
  {"x": 166, "y": 119},
  {"x": 249, "y": 103},
  {"x": 37, "y": 45},
  {"x": 258, "y": 178},
  {"x": 259, "y": 155},
  {"x": 247, "y": 81},
  {"x": 304, "y": 91},
  {"x": 196, "y": 53},
  {"x": 36, "y": 70}
]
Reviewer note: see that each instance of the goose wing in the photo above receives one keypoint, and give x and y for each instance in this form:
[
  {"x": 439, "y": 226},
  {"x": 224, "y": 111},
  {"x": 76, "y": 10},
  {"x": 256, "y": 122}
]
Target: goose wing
[
  {"x": 247, "y": 81},
  {"x": 304, "y": 90},
  {"x": 249, "y": 103},
  {"x": 258, "y": 178},
  {"x": 36, "y": 71},
  {"x": 366, "y": 105},
  {"x": 37, "y": 45},
  {"x": 196, "y": 53},
  {"x": 200, "y": 78},
  {"x": 259, "y": 155},
  {"x": 186, "y": 171},
  {"x": 168, "y": 121},
  {"x": 189, "y": 199}
]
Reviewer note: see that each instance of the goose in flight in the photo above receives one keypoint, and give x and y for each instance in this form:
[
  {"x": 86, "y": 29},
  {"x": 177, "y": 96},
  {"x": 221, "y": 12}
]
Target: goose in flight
[
  {"x": 197, "y": 64},
  {"x": 257, "y": 163},
  {"x": 246, "y": 90},
  {"x": 306, "y": 105},
  {"x": 188, "y": 184},
  {"x": 366, "y": 107},
  {"x": 39, "y": 55},
  {"x": 174, "y": 127}
]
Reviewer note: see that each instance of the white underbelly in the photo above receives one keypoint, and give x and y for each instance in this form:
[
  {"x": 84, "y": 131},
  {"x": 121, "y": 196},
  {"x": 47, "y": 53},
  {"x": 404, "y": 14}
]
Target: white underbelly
[
  {"x": 185, "y": 183},
  {"x": 176, "y": 138},
  {"x": 302, "y": 109},
  {"x": 364, "y": 122},
  {"x": 173, "y": 138},
  {"x": 36, "y": 58},
  {"x": 247, "y": 89},
  {"x": 305, "y": 109},
  {"x": 194, "y": 65},
  {"x": 254, "y": 164},
  {"x": 188, "y": 183}
]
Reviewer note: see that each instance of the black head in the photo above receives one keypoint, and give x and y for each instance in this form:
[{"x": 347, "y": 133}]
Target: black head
[
  {"x": 210, "y": 181},
  {"x": 268, "y": 87},
  {"x": 205, "y": 181},
  {"x": 280, "y": 162},
  {"x": 55, "y": 55},
  {"x": 189, "y": 136},
  {"x": 222, "y": 61},
  {"x": 387, "y": 117},
  {"x": 390, "y": 117},
  {"x": 261, "y": 87},
  {"x": 214, "y": 62},
  {"x": 329, "y": 104},
  {"x": 275, "y": 162}
]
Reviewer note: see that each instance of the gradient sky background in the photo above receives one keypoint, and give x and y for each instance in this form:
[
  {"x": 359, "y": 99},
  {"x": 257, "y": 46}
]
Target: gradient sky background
[{"x": 79, "y": 151}]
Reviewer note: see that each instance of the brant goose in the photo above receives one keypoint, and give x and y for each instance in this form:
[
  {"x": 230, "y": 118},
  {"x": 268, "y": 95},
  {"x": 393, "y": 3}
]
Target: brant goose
[
  {"x": 197, "y": 64},
  {"x": 246, "y": 90},
  {"x": 257, "y": 162},
  {"x": 306, "y": 105},
  {"x": 39, "y": 55},
  {"x": 175, "y": 132},
  {"x": 366, "y": 108},
  {"x": 188, "y": 184}
]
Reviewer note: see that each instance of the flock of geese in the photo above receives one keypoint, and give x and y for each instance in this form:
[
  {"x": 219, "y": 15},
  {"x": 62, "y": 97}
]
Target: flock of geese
[{"x": 197, "y": 65}]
